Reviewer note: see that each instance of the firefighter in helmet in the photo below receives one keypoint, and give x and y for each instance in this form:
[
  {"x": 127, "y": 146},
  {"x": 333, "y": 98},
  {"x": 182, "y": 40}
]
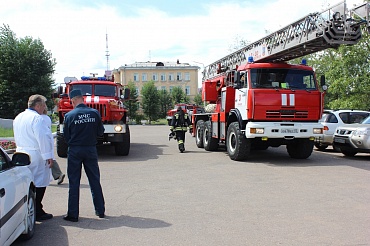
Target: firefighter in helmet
[{"x": 179, "y": 125}]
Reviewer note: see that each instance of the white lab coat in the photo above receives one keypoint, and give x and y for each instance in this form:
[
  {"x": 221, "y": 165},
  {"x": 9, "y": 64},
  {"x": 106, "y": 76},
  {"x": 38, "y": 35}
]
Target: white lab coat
[{"x": 32, "y": 136}]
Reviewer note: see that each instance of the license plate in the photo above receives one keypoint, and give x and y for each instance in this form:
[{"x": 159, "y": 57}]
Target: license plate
[
  {"x": 289, "y": 130},
  {"x": 339, "y": 140}
]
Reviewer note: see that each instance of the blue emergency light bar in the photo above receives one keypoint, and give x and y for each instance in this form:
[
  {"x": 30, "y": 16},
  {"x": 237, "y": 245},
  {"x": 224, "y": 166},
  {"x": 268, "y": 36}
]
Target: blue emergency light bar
[{"x": 93, "y": 78}]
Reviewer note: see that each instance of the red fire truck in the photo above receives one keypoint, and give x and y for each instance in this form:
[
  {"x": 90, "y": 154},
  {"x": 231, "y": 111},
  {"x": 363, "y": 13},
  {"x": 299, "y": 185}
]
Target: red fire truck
[
  {"x": 260, "y": 100},
  {"x": 104, "y": 95},
  {"x": 187, "y": 108}
]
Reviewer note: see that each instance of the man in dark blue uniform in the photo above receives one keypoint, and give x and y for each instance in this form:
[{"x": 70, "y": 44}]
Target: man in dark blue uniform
[{"x": 82, "y": 126}]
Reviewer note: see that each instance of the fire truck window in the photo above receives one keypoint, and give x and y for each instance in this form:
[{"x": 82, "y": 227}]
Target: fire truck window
[
  {"x": 85, "y": 89},
  {"x": 105, "y": 90}
]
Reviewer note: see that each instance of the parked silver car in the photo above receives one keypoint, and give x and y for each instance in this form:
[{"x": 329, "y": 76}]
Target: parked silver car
[
  {"x": 331, "y": 119},
  {"x": 354, "y": 138}
]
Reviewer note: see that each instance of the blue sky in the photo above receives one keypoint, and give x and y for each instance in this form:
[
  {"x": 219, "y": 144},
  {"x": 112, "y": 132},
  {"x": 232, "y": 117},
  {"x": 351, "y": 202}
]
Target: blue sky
[{"x": 193, "y": 31}]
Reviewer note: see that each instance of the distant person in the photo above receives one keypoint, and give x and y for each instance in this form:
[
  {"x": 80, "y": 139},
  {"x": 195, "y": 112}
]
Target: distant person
[
  {"x": 33, "y": 137},
  {"x": 82, "y": 126},
  {"x": 179, "y": 126},
  {"x": 55, "y": 169}
]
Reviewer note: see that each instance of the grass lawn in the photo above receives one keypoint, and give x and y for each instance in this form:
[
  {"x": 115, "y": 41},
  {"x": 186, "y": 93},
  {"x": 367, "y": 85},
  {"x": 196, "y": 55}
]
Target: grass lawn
[{"x": 8, "y": 133}]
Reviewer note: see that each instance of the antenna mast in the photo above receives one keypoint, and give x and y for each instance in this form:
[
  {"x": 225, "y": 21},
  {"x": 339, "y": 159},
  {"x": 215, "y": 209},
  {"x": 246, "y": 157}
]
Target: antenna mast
[{"x": 107, "y": 51}]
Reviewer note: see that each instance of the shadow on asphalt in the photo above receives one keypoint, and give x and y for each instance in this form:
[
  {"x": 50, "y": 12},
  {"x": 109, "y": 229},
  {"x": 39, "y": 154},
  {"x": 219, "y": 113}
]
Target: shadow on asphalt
[
  {"x": 57, "y": 224},
  {"x": 277, "y": 157}
]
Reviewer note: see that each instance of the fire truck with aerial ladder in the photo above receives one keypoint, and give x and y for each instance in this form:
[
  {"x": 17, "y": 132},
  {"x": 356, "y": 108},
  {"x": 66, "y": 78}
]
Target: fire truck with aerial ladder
[
  {"x": 260, "y": 100},
  {"x": 104, "y": 95}
]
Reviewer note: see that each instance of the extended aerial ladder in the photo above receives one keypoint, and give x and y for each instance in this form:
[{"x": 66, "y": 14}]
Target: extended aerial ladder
[{"x": 315, "y": 32}]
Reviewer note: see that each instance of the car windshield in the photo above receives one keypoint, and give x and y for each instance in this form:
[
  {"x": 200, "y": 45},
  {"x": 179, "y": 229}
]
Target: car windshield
[
  {"x": 105, "y": 90},
  {"x": 366, "y": 121},
  {"x": 85, "y": 89},
  {"x": 283, "y": 78}
]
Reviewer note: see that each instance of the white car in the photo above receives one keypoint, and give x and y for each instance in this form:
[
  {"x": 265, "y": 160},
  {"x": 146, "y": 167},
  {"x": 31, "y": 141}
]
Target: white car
[
  {"x": 17, "y": 198},
  {"x": 331, "y": 119}
]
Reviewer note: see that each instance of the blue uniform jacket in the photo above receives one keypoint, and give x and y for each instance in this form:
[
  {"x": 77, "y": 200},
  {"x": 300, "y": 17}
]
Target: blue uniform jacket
[{"x": 82, "y": 126}]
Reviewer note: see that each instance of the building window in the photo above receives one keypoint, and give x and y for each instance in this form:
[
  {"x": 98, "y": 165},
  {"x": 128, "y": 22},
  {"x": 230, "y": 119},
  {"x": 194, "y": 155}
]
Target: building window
[
  {"x": 179, "y": 76},
  {"x": 171, "y": 77},
  {"x": 163, "y": 77},
  {"x": 187, "y": 76},
  {"x": 155, "y": 77},
  {"x": 136, "y": 77},
  {"x": 144, "y": 77},
  {"x": 187, "y": 90},
  {"x": 171, "y": 87},
  {"x": 137, "y": 91},
  {"x": 163, "y": 88}
]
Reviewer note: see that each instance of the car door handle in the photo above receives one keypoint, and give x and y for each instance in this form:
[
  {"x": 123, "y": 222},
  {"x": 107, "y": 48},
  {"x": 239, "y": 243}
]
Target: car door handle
[{"x": 2, "y": 192}]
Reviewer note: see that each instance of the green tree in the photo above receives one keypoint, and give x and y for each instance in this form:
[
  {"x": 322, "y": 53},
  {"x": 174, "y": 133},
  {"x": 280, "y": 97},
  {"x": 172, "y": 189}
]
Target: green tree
[
  {"x": 346, "y": 70},
  {"x": 132, "y": 104},
  {"x": 165, "y": 102},
  {"x": 179, "y": 96},
  {"x": 198, "y": 99},
  {"x": 26, "y": 68},
  {"x": 150, "y": 101}
]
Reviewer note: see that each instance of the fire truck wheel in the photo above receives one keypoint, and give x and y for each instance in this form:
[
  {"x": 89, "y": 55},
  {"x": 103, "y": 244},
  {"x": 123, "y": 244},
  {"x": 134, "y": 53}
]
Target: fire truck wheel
[
  {"x": 123, "y": 148},
  {"x": 209, "y": 142},
  {"x": 300, "y": 148},
  {"x": 238, "y": 146},
  {"x": 62, "y": 146},
  {"x": 199, "y": 134}
]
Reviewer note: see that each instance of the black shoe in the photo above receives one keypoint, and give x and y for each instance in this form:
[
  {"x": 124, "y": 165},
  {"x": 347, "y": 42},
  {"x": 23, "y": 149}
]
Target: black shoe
[
  {"x": 102, "y": 215},
  {"x": 70, "y": 218},
  {"x": 44, "y": 216}
]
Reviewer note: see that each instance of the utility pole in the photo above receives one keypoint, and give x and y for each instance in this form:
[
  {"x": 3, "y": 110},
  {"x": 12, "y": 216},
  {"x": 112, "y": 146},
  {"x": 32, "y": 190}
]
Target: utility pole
[{"x": 107, "y": 51}]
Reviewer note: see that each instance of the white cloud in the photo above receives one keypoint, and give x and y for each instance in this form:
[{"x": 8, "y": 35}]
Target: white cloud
[{"x": 76, "y": 35}]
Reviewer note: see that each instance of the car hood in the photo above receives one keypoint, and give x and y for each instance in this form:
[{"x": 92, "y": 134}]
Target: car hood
[{"x": 353, "y": 126}]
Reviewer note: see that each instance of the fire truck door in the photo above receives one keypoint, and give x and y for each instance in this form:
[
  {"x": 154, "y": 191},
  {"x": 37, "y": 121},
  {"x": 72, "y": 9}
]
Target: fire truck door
[{"x": 241, "y": 96}]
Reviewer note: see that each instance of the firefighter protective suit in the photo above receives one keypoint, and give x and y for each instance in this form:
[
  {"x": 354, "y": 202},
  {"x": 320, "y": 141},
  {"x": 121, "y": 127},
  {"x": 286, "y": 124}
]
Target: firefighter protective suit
[{"x": 179, "y": 126}]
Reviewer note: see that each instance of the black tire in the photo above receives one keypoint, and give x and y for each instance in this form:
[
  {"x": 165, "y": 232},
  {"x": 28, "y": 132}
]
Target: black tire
[
  {"x": 300, "y": 148},
  {"x": 321, "y": 147},
  {"x": 209, "y": 142},
  {"x": 199, "y": 130},
  {"x": 62, "y": 146},
  {"x": 30, "y": 217},
  {"x": 237, "y": 145},
  {"x": 123, "y": 148},
  {"x": 349, "y": 153},
  {"x": 336, "y": 148}
]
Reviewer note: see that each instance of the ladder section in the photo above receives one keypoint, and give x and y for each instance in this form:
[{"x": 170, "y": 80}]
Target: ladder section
[{"x": 310, "y": 34}]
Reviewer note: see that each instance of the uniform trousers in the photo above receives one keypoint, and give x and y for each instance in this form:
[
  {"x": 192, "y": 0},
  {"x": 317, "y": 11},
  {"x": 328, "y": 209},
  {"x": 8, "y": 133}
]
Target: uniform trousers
[
  {"x": 88, "y": 157},
  {"x": 180, "y": 136}
]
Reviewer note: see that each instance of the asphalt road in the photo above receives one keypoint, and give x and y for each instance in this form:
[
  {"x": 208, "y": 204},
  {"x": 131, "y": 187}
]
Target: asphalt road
[{"x": 158, "y": 196}]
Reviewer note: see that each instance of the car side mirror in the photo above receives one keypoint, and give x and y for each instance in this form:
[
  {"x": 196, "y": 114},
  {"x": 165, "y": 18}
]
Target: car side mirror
[{"x": 20, "y": 159}]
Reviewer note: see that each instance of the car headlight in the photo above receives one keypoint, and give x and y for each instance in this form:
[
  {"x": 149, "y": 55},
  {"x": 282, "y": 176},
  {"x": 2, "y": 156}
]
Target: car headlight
[
  {"x": 360, "y": 131},
  {"x": 118, "y": 128}
]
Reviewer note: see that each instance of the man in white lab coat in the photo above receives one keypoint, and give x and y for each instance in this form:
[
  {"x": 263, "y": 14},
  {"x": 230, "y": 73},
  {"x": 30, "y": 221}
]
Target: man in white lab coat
[{"x": 32, "y": 136}]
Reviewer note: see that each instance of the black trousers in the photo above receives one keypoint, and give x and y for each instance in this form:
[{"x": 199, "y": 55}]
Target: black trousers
[{"x": 40, "y": 192}]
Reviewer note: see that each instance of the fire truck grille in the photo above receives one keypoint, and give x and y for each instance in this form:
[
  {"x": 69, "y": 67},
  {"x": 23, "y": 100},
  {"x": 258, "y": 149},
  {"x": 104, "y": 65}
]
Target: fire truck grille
[
  {"x": 102, "y": 108},
  {"x": 291, "y": 114}
]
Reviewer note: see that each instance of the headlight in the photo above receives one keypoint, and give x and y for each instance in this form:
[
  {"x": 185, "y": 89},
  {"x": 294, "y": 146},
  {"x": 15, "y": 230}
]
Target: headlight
[
  {"x": 317, "y": 131},
  {"x": 118, "y": 128},
  {"x": 360, "y": 131},
  {"x": 257, "y": 130}
]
